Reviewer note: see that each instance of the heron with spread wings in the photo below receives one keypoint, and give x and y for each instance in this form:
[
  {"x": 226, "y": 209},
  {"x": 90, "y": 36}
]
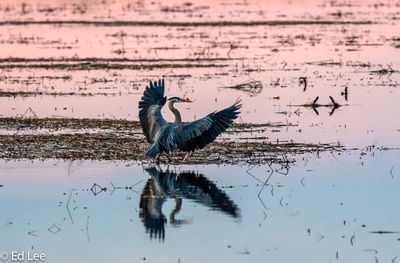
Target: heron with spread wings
[{"x": 188, "y": 137}]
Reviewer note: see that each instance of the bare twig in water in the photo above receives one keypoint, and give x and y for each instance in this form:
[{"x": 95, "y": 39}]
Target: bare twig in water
[
  {"x": 29, "y": 110},
  {"x": 67, "y": 205},
  {"x": 255, "y": 177},
  {"x": 335, "y": 105},
  {"x": 384, "y": 71},
  {"x": 382, "y": 232},
  {"x": 345, "y": 93},
  {"x": 33, "y": 233},
  {"x": 97, "y": 189},
  {"x": 320, "y": 237},
  {"x": 314, "y": 105},
  {"x": 87, "y": 229},
  {"x": 303, "y": 82},
  {"x": 302, "y": 181},
  {"x": 263, "y": 186},
  {"x": 371, "y": 250},
  {"x": 352, "y": 239},
  {"x": 123, "y": 187}
]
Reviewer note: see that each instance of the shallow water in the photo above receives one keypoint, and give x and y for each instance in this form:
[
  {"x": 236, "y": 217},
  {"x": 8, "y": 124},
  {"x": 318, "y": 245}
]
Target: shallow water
[
  {"x": 316, "y": 210},
  {"x": 73, "y": 69},
  {"x": 93, "y": 59}
]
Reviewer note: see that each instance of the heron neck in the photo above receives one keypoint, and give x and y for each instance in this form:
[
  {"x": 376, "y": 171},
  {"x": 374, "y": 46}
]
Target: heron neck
[{"x": 178, "y": 118}]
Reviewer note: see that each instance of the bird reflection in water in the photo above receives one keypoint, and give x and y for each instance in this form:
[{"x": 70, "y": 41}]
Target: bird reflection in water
[{"x": 185, "y": 185}]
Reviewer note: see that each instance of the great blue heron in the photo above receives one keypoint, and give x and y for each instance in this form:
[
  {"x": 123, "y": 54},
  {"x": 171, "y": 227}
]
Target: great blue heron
[{"x": 166, "y": 137}]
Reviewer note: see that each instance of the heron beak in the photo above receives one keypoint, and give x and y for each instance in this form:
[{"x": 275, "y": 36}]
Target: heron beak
[{"x": 186, "y": 100}]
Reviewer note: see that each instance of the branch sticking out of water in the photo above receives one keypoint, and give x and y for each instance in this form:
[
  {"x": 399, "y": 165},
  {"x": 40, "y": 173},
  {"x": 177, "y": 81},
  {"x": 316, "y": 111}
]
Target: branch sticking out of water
[{"x": 314, "y": 105}]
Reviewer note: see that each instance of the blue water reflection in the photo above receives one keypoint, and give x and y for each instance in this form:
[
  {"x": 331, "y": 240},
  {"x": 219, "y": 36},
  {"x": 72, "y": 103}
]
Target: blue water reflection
[
  {"x": 183, "y": 185},
  {"x": 317, "y": 210}
]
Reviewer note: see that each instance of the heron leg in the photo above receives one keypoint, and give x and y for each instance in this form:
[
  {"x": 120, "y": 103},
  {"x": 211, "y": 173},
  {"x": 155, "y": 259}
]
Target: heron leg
[
  {"x": 158, "y": 158},
  {"x": 189, "y": 153},
  {"x": 178, "y": 206}
]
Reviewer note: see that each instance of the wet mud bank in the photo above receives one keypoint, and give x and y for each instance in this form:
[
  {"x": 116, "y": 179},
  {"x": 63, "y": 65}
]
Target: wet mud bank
[{"x": 91, "y": 139}]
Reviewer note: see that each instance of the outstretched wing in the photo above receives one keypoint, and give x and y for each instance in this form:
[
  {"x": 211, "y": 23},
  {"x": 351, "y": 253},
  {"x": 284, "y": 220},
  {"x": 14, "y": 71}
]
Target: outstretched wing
[
  {"x": 197, "y": 134},
  {"x": 150, "y": 109},
  {"x": 193, "y": 186}
]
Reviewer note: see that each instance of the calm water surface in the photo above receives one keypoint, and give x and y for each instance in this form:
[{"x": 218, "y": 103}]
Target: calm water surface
[
  {"x": 73, "y": 70},
  {"x": 319, "y": 209},
  {"x": 326, "y": 208}
]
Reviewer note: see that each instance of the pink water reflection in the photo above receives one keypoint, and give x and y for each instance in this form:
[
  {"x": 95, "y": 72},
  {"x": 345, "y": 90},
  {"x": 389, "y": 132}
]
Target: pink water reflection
[{"x": 330, "y": 56}]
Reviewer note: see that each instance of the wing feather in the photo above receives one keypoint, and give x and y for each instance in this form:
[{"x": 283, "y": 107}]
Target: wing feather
[
  {"x": 150, "y": 106},
  {"x": 197, "y": 134}
]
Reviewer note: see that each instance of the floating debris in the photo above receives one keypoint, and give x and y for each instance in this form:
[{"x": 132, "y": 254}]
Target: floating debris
[
  {"x": 244, "y": 252},
  {"x": 303, "y": 82},
  {"x": 104, "y": 63},
  {"x": 385, "y": 71},
  {"x": 60, "y": 94},
  {"x": 251, "y": 86},
  {"x": 111, "y": 147},
  {"x": 187, "y": 24},
  {"x": 325, "y": 63},
  {"x": 54, "y": 229}
]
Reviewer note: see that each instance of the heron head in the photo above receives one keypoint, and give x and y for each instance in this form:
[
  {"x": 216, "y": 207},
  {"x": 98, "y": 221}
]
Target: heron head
[{"x": 177, "y": 99}]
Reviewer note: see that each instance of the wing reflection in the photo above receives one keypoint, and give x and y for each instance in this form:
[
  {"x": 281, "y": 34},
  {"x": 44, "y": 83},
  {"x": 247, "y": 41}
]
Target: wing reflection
[{"x": 185, "y": 185}]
